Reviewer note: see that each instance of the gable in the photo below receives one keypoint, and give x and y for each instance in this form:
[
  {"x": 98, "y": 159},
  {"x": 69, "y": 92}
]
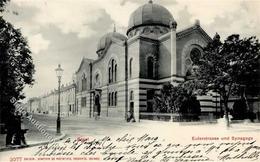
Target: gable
[
  {"x": 186, "y": 39},
  {"x": 186, "y": 33},
  {"x": 113, "y": 45},
  {"x": 194, "y": 29},
  {"x": 83, "y": 64}
]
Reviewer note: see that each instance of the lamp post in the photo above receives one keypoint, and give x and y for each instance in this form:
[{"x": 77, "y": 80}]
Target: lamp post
[{"x": 59, "y": 72}]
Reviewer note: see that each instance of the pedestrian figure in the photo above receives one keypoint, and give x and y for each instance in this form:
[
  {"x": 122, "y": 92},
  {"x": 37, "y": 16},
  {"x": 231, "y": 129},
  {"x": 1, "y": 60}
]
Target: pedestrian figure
[
  {"x": 130, "y": 117},
  {"x": 17, "y": 128},
  {"x": 10, "y": 126},
  {"x": 23, "y": 131},
  {"x": 19, "y": 133}
]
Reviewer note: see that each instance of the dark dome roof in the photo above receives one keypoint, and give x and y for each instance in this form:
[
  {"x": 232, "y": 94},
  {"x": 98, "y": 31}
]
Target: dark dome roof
[
  {"x": 107, "y": 39},
  {"x": 149, "y": 14}
]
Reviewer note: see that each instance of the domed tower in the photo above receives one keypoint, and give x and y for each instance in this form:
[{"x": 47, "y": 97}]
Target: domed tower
[
  {"x": 106, "y": 40},
  {"x": 150, "y": 19}
]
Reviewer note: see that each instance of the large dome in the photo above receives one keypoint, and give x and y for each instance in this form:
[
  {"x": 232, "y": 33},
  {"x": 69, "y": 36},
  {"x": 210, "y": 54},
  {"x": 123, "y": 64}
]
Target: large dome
[
  {"x": 107, "y": 39},
  {"x": 149, "y": 14}
]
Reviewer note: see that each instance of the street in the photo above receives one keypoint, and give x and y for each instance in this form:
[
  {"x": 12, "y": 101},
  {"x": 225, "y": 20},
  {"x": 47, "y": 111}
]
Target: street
[
  {"x": 72, "y": 126},
  {"x": 82, "y": 125},
  {"x": 84, "y": 128}
]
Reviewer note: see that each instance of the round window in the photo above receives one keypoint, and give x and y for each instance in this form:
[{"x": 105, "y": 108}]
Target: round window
[{"x": 195, "y": 55}]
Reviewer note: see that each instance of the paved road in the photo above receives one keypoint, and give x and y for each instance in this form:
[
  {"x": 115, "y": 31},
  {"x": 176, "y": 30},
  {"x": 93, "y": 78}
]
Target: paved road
[
  {"x": 72, "y": 126},
  {"x": 76, "y": 127}
]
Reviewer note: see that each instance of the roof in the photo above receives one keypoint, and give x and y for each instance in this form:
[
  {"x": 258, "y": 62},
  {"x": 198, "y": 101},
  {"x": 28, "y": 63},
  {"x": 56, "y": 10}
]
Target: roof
[
  {"x": 107, "y": 39},
  {"x": 84, "y": 60},
  {"x": 188, "y": 30},
  {"x": 62, "y": 89},
  {"x": 149, "y": 14},
  {"x": 182, "y": 33}
]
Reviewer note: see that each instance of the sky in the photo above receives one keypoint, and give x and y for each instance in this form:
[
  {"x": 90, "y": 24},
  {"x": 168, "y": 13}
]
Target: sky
[{"x": 65, "y": 31}]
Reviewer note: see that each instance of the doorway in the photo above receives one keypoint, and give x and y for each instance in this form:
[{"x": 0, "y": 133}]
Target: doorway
[{"x": 97, "y": 107}]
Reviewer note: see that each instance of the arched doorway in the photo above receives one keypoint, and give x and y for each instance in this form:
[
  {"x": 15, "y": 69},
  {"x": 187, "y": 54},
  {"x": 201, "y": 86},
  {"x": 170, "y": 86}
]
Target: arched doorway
[{"x": 97, "y": 106}]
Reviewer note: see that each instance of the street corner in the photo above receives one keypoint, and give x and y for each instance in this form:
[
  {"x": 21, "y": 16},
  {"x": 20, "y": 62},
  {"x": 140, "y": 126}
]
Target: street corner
[{"x": 34, "y": 143}]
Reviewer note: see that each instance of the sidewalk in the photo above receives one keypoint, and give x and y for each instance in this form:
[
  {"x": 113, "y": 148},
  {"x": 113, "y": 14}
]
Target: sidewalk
[{"x": 32, "y": 138}]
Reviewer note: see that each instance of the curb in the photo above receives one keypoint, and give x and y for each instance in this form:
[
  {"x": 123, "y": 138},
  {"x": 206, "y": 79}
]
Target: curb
[{"x": 61, "y": 137}]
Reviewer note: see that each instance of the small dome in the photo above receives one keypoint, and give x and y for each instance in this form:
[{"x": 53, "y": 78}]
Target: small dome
[
  {"x": 107, "y": 39},
  {"x": 149, "y": 14}
]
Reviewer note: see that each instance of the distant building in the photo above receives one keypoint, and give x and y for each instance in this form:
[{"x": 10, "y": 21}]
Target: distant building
[
  {"x": 34, "y": 105},
  {"x": 48, "y": 103}
]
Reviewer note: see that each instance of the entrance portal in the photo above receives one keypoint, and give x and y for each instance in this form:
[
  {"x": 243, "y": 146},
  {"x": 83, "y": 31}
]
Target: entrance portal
[
  {"x": 97, "y": 106},
  {"x": 95, "y": 101}
]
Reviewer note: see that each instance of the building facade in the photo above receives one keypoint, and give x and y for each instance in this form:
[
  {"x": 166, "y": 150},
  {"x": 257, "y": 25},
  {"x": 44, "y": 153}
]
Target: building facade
[
  {"x": 34, "y": 105},
  {"x": 129, "y": 69},
  {"x": 48, "y": 103}
]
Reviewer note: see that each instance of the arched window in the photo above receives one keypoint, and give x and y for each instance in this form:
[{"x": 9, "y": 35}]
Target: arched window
[
  {"x": 84, "y": 83},
  {"x": 115, "y": 72},
  {"x": 109, "y": 96},
  {"x": 131, "y": 95},
  {"x": 191, "y": 63},
  {"x": 112, "y": 71},
  {"x": 115, "y": 98},
  {"x": 195, "y": 56},
  {"x": 112, "y": 101},
  {"x": 130, "y": 67},
  {"x": 112, "y": 65},
  {"x": 150, "y": 67},
  {"x": 109, "y": 75},
  {"x": 97, "y": 80}
]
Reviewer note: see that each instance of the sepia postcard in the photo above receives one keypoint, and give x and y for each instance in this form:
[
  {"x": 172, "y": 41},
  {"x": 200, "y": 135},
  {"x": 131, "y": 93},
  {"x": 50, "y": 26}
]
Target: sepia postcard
[{"x": 129, "y": 80}]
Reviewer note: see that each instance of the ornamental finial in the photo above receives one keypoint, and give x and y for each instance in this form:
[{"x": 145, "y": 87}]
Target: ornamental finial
[
  {"x": 173, "y": 24},
  {"x": 197, "y": 22}
]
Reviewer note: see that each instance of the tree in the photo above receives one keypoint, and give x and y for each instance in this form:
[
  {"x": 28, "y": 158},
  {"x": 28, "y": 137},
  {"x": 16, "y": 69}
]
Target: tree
[
  {"x": 2, "y": 4},
  {"x": 16, "y": 63},
  {"x": 225, "y": 67},
  {"x": 164, "y": 99},
  {"x": 179, "y": 99}
]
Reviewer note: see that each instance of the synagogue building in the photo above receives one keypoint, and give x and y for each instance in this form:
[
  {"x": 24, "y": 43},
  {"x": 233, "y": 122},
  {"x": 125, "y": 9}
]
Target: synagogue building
[{"x": 132, "y": 66}]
